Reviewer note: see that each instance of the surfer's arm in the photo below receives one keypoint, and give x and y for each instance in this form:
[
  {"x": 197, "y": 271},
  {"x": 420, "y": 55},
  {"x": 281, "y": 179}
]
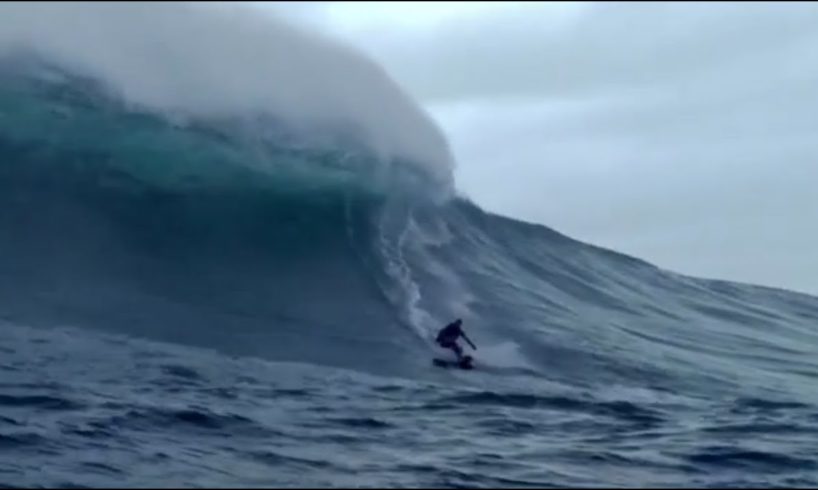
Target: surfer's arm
[{"x": 469, "y": 341}]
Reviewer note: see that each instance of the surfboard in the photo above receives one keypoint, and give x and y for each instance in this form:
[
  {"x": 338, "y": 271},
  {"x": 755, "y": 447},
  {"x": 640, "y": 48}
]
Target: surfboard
[{"x": 465, "y": 363}]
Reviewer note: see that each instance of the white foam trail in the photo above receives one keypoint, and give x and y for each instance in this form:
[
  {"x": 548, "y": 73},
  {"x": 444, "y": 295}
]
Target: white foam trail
[
  {"x": 503, "y": 355},
  {"x": 422, "y": 238},
  {"x": 188, "y": 59},
  {"x": 405, "y": 291}
]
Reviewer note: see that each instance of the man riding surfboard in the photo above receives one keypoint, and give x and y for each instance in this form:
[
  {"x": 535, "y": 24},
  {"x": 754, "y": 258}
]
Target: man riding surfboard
[{"x": 448, "y": 335}]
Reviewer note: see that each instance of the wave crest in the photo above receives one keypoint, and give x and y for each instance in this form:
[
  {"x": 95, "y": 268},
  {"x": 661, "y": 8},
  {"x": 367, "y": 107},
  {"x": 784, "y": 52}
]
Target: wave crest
[{"x": 190, "y": 62}]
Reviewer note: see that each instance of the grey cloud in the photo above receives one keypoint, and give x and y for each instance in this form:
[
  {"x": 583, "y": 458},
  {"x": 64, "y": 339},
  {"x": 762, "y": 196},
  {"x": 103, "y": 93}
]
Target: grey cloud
[
  {"x": 684, "y": 134},
  {"x": 519, "y": 52},
  {"x": 681, "y": 133}
]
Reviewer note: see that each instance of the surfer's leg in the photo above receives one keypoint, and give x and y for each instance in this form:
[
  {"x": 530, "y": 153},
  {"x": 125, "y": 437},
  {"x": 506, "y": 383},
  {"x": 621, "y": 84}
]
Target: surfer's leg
[
  {"x": 448, "y": 344},
  {"x": 457, "y": 350}
]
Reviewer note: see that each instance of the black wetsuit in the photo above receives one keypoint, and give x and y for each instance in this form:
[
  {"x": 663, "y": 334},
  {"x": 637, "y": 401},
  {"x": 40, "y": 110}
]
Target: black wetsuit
[{"x": 447, "y": 338}]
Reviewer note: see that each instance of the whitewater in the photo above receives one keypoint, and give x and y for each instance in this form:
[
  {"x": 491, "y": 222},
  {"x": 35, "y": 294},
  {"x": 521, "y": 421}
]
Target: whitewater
[{"x": 226, "y": 245}]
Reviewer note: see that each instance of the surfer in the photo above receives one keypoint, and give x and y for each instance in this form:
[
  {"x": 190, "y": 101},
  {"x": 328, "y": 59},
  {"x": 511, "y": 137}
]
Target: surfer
[{"x": 448, "y": 335}]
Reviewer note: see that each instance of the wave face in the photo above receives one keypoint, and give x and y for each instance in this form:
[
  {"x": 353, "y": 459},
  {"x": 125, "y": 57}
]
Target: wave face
[{"x": 245, "y": 220}]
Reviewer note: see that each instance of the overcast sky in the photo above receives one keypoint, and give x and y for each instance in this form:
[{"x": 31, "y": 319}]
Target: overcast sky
[{"x": 685, "y": 134}]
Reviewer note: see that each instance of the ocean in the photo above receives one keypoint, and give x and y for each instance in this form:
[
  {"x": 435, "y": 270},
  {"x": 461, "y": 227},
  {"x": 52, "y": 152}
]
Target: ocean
[{"x": 249, "y": 298}]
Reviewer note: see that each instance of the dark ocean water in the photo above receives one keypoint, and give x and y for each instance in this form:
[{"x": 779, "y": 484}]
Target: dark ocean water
[{"x": 228, "y": 304}]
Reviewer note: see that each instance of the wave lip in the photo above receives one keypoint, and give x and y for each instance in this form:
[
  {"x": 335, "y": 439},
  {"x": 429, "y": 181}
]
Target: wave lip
[{"x": 198, "y": 62}]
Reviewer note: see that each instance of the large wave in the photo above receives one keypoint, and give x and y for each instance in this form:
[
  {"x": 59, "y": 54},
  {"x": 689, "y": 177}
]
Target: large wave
[{"x": 296, "y": 205}]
